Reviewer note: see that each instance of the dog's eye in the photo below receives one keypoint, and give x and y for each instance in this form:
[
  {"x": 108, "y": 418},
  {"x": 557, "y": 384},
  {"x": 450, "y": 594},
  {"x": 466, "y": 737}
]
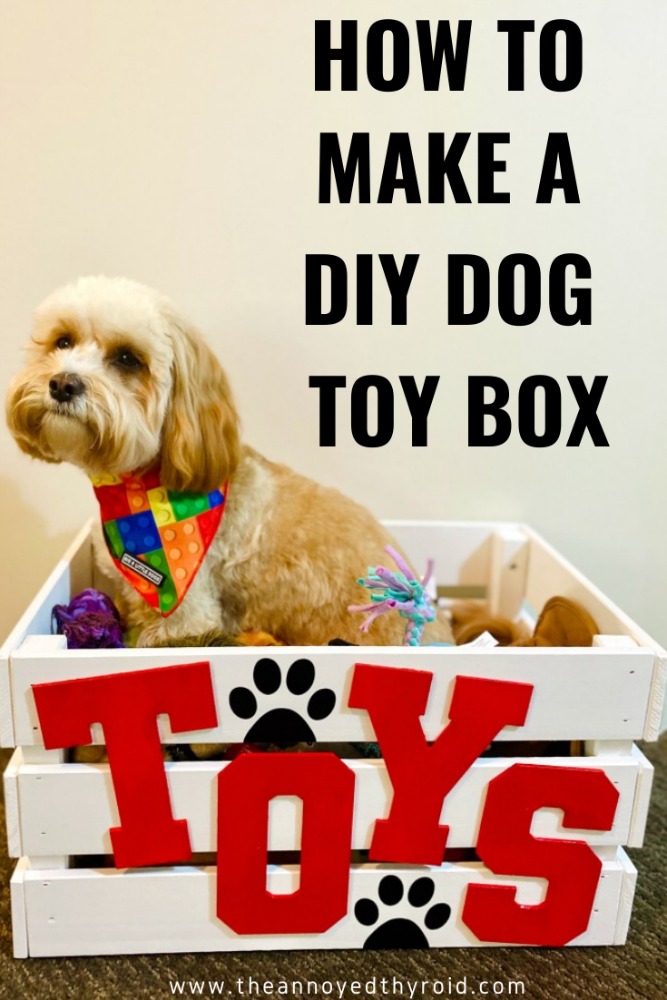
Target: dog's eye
[
  {"x": 64, "y": 343},
  {"x": 126, "y": 359}
]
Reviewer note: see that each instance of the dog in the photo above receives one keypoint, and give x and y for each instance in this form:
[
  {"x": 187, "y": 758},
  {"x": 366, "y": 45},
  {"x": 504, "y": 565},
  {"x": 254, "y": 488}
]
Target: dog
[{"x": 122, "y": 386}]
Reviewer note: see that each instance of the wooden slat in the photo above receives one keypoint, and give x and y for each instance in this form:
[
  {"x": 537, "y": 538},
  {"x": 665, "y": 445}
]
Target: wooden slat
[
  {"x": 578, "y": 693},
  {"x": 71, "y": 574},
  {"x": 626, "y": 899},
  {"x": 549, "y": 573},
  {"x": 104, "y": 912},
  {"x": 509, "y": 567},
  {"x": 69, "y": 808},
  {"x": 642, "y": 800},
  {"x": 461, "y": 550},
  {"x": 657, "y": 700},
  {"x": 12, "y": 814},
  {"x": 18, "y": 909}
]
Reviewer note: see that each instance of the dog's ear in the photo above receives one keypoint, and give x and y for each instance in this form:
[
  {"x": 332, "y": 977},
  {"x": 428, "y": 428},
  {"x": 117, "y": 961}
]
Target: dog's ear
[{"x": 200, "y": 438}]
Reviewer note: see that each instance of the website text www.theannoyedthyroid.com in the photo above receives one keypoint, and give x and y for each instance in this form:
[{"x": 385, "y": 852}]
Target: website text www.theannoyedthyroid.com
[{"x": 341, "y": 989}]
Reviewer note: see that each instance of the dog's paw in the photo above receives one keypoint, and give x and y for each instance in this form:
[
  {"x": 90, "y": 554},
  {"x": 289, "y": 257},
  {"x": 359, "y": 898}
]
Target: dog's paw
[
  {"x": 284, "y": 725},
  {"x": 402, "y": 932}
]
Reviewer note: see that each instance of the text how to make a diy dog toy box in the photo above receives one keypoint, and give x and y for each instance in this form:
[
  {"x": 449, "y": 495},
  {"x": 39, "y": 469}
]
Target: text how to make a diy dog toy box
[{"x": 431, "y": 844}]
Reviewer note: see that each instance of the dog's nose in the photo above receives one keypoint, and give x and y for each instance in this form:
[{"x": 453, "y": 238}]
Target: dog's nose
[{"x": 65, "y": 386}]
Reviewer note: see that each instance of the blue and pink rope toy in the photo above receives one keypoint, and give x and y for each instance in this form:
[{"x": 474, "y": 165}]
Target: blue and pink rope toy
[{"x": 398, "y": 591}]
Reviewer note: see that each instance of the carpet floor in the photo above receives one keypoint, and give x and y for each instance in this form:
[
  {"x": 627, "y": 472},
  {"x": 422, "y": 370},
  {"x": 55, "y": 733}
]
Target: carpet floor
[{"x": 637, "y": 971}]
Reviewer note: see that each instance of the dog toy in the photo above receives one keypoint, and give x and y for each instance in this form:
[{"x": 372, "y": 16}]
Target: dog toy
[
  {"x": 398, "y": 591},
  {"x": 90, "y": 621},
  {"x": 562, "y": 622}
]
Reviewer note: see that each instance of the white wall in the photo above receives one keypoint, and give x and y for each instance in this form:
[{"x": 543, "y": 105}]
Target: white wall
[{"x": 177, "y": 143}]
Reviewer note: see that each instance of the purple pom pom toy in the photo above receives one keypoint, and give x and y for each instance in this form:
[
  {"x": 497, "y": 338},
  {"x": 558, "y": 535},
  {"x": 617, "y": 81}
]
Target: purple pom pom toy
[{"x": 90, "y": 621}]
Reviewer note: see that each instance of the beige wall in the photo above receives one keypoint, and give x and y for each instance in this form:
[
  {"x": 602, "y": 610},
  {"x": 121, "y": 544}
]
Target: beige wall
[{"x": 176, "y": 143}]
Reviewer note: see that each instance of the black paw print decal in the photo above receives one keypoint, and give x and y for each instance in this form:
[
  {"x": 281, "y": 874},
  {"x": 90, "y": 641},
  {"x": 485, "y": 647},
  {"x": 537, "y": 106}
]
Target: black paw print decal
[
  {"x": 400, "y": 932},
  {"x": 284, "y": 726}
]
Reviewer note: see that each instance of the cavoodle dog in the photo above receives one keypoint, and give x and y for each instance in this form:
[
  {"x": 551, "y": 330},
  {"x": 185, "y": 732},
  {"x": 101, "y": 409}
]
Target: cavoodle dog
[{"x": 199, "y": 530}]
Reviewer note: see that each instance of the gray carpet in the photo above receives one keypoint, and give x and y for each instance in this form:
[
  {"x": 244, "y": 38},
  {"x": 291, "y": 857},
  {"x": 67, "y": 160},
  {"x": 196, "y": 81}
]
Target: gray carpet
[{"x": 636, "y": 972}]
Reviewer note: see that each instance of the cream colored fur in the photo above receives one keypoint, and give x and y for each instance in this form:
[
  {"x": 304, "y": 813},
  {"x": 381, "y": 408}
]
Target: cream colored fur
[{"x": 288, "y": 552}]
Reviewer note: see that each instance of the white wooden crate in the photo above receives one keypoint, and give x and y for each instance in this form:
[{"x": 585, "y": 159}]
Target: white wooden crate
[{"x": 607, "y": 697}]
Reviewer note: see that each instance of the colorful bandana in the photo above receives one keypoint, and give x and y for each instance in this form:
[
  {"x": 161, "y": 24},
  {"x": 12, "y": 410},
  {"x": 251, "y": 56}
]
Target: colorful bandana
[{"x": 157, "y": 537}]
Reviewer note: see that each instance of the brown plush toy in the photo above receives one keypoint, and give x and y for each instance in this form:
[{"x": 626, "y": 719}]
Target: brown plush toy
[{"x": 562, "y": 623}]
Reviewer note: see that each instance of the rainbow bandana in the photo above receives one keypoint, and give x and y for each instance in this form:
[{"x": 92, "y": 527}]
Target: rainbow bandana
[{"x": 157, "y": 537}]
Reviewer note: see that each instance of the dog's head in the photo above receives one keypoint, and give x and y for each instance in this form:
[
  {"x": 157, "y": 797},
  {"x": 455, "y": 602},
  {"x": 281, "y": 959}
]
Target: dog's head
[{"x": 116, "y": 380}]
